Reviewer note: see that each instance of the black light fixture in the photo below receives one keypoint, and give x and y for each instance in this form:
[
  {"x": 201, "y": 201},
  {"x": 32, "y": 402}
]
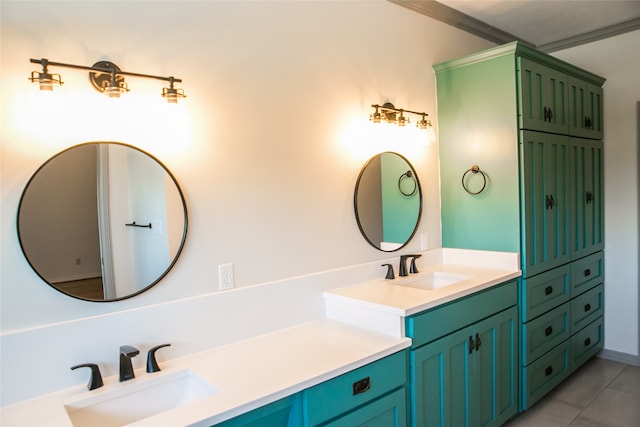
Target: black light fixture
[
  {"x": 105, "y": 76},
  {"x": 389, "y": 113}
]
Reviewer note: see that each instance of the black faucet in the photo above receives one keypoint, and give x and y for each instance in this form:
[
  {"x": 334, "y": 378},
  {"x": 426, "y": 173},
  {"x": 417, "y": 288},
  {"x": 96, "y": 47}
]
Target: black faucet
[
  {"x": 152, "y": 363},
  {"x": 95, "y": 379},
  {"x": 127, "y": 352},
  {"x": 403, "y": 265},
  {"x": 390, "y": 275}
]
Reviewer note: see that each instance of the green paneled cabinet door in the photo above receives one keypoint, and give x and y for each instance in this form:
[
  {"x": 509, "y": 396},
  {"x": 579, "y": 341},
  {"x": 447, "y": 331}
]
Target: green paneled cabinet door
[
  {"x": 587, "y": 191},
  {"x": 543, "y": 97},
  {"x": 467, "y": 378},
  {"x": 585, "y": 109},
  {"x": 545, "y": 201},
  {"x": 388, "y": 411},
  {"x": 286, "y": 412}
]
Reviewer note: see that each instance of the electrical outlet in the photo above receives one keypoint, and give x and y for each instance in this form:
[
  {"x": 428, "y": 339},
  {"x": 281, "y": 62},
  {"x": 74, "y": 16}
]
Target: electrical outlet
[
  {"x": 225, "y": 276},
  {"x": 424, "y": 241}
]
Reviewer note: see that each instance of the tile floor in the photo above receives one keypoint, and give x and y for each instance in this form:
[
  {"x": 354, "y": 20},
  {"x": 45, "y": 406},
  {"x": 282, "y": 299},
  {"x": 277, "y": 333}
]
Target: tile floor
[{"x": 602, "y": 393}]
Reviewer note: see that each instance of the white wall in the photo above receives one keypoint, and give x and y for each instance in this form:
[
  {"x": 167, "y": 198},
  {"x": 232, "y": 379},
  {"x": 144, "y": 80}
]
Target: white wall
[
  {"x": 618, "y": 61},
  {"x": 267, "y": 149}
]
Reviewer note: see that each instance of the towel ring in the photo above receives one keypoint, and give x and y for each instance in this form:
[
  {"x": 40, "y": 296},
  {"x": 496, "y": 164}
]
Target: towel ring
[
  {"x": 407, "y": 175},
  {"x": 475, "y": 169}
]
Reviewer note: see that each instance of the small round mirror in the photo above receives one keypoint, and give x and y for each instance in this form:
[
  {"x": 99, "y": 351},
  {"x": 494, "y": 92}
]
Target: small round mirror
[
  {"x": 388, "y": 201},
  {"x": 102, "y": 221}
]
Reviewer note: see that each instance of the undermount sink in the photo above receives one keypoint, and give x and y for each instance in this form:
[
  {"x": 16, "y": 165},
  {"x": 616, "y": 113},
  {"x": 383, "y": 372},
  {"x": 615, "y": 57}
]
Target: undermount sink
[
  {"x": 134, "y": 401},
  {"x": 436, "y": 279}
]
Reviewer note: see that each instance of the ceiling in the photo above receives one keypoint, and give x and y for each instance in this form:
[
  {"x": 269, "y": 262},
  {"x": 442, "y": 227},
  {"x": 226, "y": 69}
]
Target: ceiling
[{"x": 548, "y": 25}]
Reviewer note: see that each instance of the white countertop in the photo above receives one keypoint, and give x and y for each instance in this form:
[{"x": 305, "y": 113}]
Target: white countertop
[
  {"x": 248, "y": 374},
  {"x": 365, "y": 322}
]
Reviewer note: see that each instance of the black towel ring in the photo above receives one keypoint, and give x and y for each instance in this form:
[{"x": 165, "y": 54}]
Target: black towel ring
[
  {"x": 409, "y": 175},
  {"x": 475, "y": 169}
]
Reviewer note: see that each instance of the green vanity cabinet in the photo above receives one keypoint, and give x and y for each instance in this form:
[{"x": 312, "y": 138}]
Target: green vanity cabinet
[
  {"x": 533, "y": 125},
  {"x": 373, "y": 395},
  {"x": 464, "y": 360},
  {"x": 286, "y": 412}
]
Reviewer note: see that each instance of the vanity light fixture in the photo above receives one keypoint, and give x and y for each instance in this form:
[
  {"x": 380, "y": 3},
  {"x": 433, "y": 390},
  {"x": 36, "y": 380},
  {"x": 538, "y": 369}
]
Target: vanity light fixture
[
  {"x": 105, "y": 76},
  {"x": 389, "y": 113}
]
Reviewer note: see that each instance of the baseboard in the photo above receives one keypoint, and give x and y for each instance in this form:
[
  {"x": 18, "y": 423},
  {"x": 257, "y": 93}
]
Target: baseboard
[{"x": 617, "y": 356}]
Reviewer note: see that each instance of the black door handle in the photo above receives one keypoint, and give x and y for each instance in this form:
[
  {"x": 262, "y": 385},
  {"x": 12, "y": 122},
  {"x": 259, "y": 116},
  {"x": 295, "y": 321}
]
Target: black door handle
[
  {"x": 361, "y": 386},
  {"x": 478, "y": 342}
]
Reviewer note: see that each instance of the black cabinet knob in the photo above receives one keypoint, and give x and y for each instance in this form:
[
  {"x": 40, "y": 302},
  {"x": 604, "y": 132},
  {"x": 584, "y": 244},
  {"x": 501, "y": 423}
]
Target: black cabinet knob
[
  {"x": 548, "y": 371},
  {"x": 548, "y": 290},
  {"x": 548, "y": 331}
]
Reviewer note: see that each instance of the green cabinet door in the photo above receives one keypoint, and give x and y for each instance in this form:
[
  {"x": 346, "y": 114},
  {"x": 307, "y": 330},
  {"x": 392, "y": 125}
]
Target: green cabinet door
[
  {"x": 585, "y": 109},
  {"x": 496, "y": 369},
  {"x": 441, "y": 375},
  {"x": 543, "y": 97},
  {"x": 467, "y": 378},
  {"x": 587, "y": 190},
  {"x": 544, "y": 201}
]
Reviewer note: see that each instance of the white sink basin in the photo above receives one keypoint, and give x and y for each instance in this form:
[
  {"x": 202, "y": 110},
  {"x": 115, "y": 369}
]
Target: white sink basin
[
  {"x": 436, "y": 280},
  {"x": 137, "y": 399}
]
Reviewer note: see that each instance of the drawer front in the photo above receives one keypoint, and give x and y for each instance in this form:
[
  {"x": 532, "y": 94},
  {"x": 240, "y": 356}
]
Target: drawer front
[
  {"x": 389, "y": 411},
  {"x": 545, "y": 373},
  {"x": 344, "y": 393},
  {"x": 587, "y": 307},
  {"x": 586, "y": 273},
  {"x": 545, "y": 291},
  {"x": 545, "y": 332},
  {"x": 587, "y": 343},
  {"x": 440, "y": 321}
]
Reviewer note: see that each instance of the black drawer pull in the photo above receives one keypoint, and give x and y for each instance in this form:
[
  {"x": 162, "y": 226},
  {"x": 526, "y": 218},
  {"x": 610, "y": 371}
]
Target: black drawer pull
[
  {"x": 361, "y": 386},
  {"x": 548, "y": 290},
  {"x": 587, "y": 307},
  {"x": 587, "y": 272},
  {"x": 548, "y": 371},
  {"x": 548, "y": 331},
  {"x": 587, "y": 342}
]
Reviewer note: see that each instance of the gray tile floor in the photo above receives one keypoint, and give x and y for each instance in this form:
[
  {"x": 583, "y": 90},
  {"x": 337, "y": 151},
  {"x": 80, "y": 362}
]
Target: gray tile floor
[{"x": 601, "y": 393}]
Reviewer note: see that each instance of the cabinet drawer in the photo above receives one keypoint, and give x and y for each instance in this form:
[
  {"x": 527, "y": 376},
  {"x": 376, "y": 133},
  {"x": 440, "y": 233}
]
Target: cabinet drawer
[
  {"x": 586, "y": 273},
  {"x": 587, "y": 343},
  {"x": 545, "y": 373},
  {"x": 435, "y": 323},
  {"x": 388, "y": 411},
  {"x": 545, "y": 291},
  {"x": 346, "y": 392},
  {"x": 545, "y": 332},
  {"x": 587, "y": 307}
]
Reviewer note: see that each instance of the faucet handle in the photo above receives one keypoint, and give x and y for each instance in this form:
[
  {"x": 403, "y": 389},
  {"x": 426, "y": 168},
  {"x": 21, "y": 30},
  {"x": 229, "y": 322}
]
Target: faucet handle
[
  {"x": 390, "y": 275},
  {"x": 95, "y": 379},
  {"x": 152, "y": 364},
  {"x": 413, "y": 269}
]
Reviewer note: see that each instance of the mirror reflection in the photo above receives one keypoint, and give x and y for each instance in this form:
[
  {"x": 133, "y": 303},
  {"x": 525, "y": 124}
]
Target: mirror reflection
[
  {"x": 102, "y": 221},
  {"x": 388, "y": 201}
]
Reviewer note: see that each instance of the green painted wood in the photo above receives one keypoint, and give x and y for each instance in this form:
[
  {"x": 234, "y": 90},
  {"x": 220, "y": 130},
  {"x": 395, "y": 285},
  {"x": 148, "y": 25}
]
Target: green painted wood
[
  {"x": 388, "y": 411},
  {"x": 587, "y": 191},
  {"x": 441, "y": 381},
  {"x": 336, "y": 396},
  {"x": 586, "y": 273},
  {"x": 586, "y": 343},
  {"x": 432, "y": 324},
  {"x": 544, "y": 374},
  {"x": 545, "y": 332},
  {"x": 519, "y": 49},
  {"x": 496, "y": 369},
  {"x": 285, "y": 412},
  {"x": 587, "y": 307},
  {"x": 585, "y": 109},
  {"x": 545, "y": 231},
  {"x": 545, "y": 291},
  {"x": 476, "y": 123},
  {"x": 543, "y": 97}
]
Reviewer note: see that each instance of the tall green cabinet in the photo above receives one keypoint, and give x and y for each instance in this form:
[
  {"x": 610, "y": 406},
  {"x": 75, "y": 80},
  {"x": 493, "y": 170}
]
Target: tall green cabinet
[{"x": 521, "y": 158}]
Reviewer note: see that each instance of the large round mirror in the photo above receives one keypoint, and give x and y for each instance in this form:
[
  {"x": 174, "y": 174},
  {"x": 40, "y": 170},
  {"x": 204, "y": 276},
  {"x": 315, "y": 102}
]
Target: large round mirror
[
  {"x": 102, "y": 221},
  {"x": 388, "y": 201}
]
